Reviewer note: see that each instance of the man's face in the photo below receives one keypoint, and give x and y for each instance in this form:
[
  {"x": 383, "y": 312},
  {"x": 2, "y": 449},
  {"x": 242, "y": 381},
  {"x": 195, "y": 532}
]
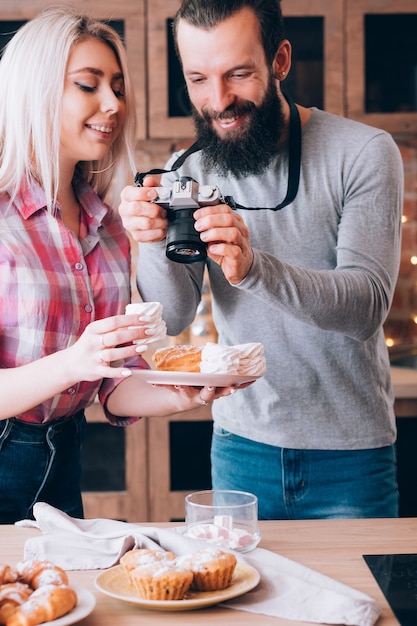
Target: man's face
[{"x": 237, "y": 112}]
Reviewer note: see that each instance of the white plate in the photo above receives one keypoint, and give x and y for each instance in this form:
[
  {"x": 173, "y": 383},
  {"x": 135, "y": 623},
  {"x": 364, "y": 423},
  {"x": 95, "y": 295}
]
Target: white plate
[
  {"x": 193, "y": 379},
  {"x": 85, "y": 605},
  {"x": 114, "y": 583}
]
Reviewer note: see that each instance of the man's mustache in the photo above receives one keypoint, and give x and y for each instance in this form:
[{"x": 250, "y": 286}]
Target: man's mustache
[{"x": 234, "y": 110}]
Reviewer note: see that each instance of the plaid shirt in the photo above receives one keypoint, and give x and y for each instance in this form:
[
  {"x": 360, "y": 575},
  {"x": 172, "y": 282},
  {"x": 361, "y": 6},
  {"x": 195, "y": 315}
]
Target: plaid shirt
[{"x": 53, "y": 285}]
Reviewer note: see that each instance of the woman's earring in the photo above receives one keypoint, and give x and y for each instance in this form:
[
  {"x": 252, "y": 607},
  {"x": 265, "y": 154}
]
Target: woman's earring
[{"x": 281, "y": 74}]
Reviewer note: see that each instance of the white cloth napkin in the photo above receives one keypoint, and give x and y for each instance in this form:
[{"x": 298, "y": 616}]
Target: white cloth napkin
[{"x": 287, "y": 589}]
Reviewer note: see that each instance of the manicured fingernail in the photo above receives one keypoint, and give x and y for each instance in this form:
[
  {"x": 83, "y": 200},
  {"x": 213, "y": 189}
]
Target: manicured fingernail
[
  {"x": 210, "y": 388},
  {"x": 142, "y": 347},
  {"x": 126, "y": 373}
]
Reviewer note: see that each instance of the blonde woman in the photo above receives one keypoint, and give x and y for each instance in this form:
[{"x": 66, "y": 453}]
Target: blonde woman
[{"x": 67, "y": 128}]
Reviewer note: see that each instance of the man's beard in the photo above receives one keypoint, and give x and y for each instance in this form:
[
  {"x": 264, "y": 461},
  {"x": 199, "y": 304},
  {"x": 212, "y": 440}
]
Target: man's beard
[{"x": 247, "y": 152}]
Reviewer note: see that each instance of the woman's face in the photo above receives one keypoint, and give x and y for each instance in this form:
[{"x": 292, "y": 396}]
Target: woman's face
[{"x": 93, "y": 106}]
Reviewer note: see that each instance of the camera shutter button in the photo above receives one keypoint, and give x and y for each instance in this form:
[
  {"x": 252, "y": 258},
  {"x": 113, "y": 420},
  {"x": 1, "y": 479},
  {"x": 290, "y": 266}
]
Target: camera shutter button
[{"x": 206, "y": 191}]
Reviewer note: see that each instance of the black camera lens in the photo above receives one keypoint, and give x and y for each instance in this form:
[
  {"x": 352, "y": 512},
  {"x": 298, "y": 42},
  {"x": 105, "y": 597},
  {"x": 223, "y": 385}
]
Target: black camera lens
[{"x": 183, "y": 241}]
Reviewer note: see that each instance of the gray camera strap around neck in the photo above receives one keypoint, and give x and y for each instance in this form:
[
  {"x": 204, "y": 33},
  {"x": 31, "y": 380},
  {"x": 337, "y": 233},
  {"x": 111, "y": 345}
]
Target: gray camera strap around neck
[{"x": 294, "y": 164}]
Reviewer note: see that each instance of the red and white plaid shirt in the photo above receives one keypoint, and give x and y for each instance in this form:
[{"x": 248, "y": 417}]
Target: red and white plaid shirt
[{"x": 53, "y": 285}]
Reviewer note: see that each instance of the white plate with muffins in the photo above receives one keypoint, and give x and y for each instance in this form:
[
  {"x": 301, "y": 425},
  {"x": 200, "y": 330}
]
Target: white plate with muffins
[{"x": 115, "y": 583}]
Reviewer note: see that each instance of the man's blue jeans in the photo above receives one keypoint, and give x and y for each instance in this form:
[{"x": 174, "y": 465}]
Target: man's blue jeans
[
  {"x": 307, "y": 484},
  {"x": 40, "y": 462}
]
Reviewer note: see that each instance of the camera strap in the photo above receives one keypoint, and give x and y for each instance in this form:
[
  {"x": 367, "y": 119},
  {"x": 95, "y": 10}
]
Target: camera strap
[{"x": 294, "y": 164}]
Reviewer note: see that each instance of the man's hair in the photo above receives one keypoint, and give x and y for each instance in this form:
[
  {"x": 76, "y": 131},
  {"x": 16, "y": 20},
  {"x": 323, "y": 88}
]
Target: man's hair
[
  {"x": 209, "y": 13},
  {"x": 32, "y": 76}
]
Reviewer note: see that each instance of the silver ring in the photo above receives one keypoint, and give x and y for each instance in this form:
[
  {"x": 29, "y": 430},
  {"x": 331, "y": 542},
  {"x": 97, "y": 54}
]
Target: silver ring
[{"x": 203, "y": 402}]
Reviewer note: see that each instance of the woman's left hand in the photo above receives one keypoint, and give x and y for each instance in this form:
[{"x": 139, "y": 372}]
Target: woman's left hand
[{"x": 136, "y": 398}]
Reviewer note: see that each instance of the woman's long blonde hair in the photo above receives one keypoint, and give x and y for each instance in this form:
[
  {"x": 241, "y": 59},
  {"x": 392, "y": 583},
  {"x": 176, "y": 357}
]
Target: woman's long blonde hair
[{"x": 32, "y": 74}]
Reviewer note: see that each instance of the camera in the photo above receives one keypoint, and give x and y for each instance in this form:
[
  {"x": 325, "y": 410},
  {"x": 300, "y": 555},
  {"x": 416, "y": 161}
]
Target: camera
[{"x": 180, "y": 201}]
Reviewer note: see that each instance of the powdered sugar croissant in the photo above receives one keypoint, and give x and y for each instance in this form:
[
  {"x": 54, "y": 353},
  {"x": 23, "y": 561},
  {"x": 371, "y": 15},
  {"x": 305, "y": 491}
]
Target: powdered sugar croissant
[
  {"x": 37, "y": 573},
  {"x": 46, "y": 603},
  {"x": 12, "y": 595},
  {"x": 8, "y": 574},
  {"x": 34, "y": 592}
]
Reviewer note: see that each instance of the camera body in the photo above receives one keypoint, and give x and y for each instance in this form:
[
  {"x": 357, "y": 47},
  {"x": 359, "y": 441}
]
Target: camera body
[{"x": 180, "y": 201}]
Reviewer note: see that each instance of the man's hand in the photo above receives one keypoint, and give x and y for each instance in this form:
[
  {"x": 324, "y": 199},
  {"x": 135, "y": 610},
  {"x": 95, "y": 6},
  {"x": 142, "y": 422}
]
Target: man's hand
[
  {"x": 227, "y": 239},
  {"x": 142, "y": 218}
]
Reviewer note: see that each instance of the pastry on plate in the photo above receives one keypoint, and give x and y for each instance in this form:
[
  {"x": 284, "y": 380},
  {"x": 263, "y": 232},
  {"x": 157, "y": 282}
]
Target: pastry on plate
[{"x": 245, "y": 359}]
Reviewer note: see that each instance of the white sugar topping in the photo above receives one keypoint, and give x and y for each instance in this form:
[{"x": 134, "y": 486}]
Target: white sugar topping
[
  {"x": 246, "y": 359},
  {"x": 152, "y": 310}
]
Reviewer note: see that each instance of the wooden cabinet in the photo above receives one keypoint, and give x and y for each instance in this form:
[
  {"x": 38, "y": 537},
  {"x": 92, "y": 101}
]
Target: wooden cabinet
[
  {"x": 178, "y": 462},
  {"x": 389, "y": 27},
  {"x": 128, "y": 502},
  {"x": 331, "y": 12},
  {"x": 151, "y": 490},
  {"x": 162, "y": 124}
]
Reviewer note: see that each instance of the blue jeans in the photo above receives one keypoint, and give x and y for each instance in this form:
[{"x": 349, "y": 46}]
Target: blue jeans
[
  {"x": 307, "y": 484},
  {"x": 40, "y": 463}
]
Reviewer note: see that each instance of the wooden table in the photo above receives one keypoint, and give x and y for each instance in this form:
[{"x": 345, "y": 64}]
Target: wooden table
[{"x": 332, "y": 547}]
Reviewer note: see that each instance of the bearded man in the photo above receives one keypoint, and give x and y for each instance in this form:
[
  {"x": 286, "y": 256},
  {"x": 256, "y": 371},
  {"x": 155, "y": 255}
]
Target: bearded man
[{"x": 305, "y": 261}]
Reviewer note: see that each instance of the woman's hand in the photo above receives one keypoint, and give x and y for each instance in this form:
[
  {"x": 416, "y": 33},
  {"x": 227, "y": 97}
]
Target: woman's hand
[
  {"x": 88, "y": 359},
  {"x": 198, "y": 395},
  {"x": 134, "y": 397},
  {"x": 104, "y": 342}
]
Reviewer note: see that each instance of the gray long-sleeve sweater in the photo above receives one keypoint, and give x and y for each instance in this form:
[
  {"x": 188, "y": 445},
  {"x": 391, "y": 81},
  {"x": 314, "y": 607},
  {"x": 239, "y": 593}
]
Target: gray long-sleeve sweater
[{"x": 317, "y": 295}]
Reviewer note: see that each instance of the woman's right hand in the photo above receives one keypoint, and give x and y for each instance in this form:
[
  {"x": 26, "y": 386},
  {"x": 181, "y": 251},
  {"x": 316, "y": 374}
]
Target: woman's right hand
[
  {"x": 87, "y": 359},
  {"x": 104, "y": 342}
]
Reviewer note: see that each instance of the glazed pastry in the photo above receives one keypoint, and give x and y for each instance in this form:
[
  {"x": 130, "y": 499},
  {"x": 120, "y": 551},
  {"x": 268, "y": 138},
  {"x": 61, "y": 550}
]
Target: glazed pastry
[
  {"x": 46, "y": 603},
  {"x": 12, "y": 595},
  {"x": 178, "y": 358}
]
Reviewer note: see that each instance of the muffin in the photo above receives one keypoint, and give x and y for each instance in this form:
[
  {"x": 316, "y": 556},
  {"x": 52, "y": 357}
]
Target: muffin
[
  {"x": 212, "y": 568},
  {"x": 140, "y": 557},
  {"x": 161, "y": 580}
]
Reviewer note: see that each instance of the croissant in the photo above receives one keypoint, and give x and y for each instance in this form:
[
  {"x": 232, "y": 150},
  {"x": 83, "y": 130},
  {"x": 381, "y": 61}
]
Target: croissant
[
  {"x": 46, "y": 603},
  {"x": 39, "y": 573},
  {"x": 8, "y": 574},
  {"x": 11, "y": 596}
]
